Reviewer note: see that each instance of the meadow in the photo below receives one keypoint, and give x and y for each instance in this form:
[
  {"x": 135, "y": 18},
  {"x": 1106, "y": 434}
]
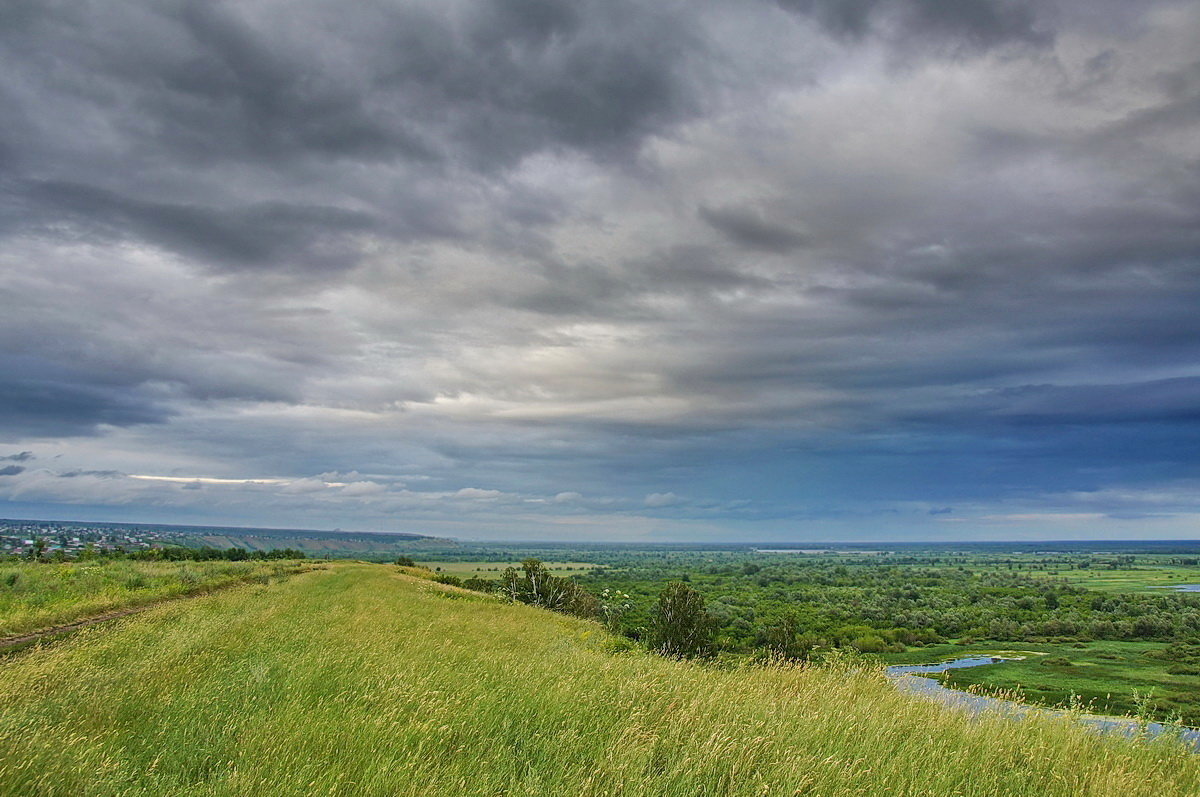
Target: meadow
[
  {"x": 1108, "y": 677},
  {"x": 1141, "y": 578},
  {"x": 359, "y": 680},
  {"x": 39, "y": 595}
]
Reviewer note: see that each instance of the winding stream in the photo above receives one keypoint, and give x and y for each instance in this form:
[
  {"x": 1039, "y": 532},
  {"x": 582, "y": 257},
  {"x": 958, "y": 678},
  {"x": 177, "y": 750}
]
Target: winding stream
[{"x": 907, "y": 678}]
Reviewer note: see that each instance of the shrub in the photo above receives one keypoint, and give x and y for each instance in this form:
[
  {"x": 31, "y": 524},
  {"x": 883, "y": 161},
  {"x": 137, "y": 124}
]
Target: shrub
[
  {"x": 680, "y": 627},
  {"x": 479, "y": 584},
  {"x": 870, "y": 643},
  {"x": 783, "y": 640},
  {"x": 619, "y": 645},
  {"x": 535, "y": 585}
]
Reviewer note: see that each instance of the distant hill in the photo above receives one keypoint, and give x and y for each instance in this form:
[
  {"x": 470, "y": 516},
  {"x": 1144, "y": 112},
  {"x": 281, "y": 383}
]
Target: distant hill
[
  {"x": 317, "y": 542},
  {"x": 312, "y": 541}
]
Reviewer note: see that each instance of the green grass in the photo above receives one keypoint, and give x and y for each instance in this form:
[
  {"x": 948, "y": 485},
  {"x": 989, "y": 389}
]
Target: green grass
[
  {"x": 494, "y": 569},
  {"x": 34, "y": 596},
  {"x": 361, "y": 681},
  {"x": 1146, "y": 578},
  {"x": 1106, "y": 675}
]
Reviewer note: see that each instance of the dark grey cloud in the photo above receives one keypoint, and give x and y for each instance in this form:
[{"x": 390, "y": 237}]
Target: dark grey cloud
[
  {"x": 11, "y": 470},
  {"x": 265, "y": 235},
  {"x": 785, "y": 260},
  {"x": 204, "y": 83},
  {"x": 253, "y": 137},
  {"x": 974, "y": 23},
  {"x": 520, "y": 75},
  {"x": 749, "y": 229},
  {"x": 484, "y": 81},
  {"x": 44, "y": 399},
  {"x": 22, "y": 456},
  {"x": 274, "y": 101}
]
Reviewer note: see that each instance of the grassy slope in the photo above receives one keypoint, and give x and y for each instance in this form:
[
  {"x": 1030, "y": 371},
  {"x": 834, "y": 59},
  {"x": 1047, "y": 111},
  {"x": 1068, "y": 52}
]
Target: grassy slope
[
  {"x": 359, "y": 681},
  {"x": 35, "y": 596}
]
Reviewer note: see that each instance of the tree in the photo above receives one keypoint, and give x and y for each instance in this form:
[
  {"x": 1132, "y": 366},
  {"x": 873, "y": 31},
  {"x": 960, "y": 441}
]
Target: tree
[
  {"x": 543, "y": 591},
  {"x": 680, "y": 626},
  {"x": 579, "y": 601},
  {"x": 536, "y": 585},
  {"x": 405, "y": 561},
  {"x": 784, "y": 640}
]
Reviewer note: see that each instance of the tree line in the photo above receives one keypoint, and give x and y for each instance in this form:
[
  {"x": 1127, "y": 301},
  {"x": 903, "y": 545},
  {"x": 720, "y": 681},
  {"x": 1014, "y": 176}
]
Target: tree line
[
  {"x": 789, "y": 612},
  {"x": 168, "y": 553},
  {"x": 678, "y": 627},
  {"x": 886, "y": 608}
]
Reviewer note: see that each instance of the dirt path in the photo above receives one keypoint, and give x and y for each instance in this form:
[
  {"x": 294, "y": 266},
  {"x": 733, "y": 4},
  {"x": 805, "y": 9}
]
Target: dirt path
[
  {"x": 116, "y": 614},
  {"x": 13, "y": 641}
]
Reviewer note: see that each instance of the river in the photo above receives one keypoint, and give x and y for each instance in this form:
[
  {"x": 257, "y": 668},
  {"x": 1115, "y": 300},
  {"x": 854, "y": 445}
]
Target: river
[{"x": 907, "y": 678}]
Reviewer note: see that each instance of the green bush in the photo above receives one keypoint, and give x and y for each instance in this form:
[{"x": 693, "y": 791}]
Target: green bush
[{"x": 680, "y": 627}]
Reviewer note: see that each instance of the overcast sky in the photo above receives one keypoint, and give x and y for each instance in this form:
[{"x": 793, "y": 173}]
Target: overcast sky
[{"x": 743, "y": 270}]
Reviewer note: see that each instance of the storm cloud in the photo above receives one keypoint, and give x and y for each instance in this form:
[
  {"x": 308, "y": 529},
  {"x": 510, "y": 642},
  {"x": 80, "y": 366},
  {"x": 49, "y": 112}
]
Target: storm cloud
[{"x": 778, "y": 269}]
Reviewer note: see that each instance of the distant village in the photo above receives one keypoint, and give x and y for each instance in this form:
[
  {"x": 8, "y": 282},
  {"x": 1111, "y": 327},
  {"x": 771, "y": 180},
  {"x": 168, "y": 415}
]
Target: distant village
[
  {"x": 21, "y": 538},
  {"x": 55, "y": 540}
]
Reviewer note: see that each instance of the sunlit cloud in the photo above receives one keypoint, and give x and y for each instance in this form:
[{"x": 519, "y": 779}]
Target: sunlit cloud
[{"x": 210, "y": 480}]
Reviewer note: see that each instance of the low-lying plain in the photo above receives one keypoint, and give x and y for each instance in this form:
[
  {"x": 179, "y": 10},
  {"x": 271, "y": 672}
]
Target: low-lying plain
[{"x": 358, "y": 680}]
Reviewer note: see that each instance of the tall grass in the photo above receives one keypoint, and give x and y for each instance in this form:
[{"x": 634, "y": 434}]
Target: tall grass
[
  {"x": 361, "y": 681},
  {"x": 40, "y": 595}
]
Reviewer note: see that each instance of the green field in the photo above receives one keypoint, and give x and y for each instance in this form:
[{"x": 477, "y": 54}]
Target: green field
[
  {"x": 1105, "y": 675},
  {"x": 1144, "y": 578},
  {"x": 358, "y": 680},
  {"x": 493, "y": 569},
  {"x": 34, "y": 596}
]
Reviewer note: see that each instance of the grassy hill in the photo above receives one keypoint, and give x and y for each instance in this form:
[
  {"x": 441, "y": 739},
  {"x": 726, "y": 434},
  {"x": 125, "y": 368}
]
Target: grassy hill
[
  {"x": 337, "y": 544},
  {"x": 358, "y": 680}
]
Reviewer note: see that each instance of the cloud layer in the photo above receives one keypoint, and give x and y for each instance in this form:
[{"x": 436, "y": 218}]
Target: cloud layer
[{"x": 793, "y": 269}]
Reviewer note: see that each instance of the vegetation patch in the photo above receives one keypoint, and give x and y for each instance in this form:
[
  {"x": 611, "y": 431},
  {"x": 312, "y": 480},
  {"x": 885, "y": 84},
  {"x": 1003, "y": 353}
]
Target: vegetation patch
[
  {"x": 357, "y": 682},
  {"x": 1121, "y": 678},
  {"x": 39, "y": 595},
  {"x": 495, "y": 569}
]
